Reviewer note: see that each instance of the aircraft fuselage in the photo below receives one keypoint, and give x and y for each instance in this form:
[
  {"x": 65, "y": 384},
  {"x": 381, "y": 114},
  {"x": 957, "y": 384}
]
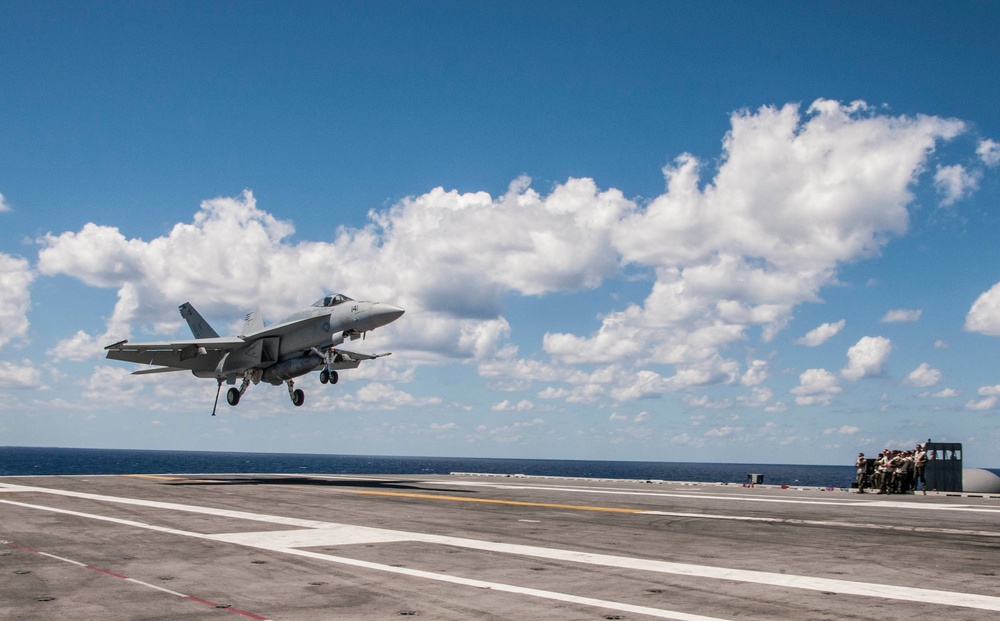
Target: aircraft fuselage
[{"x": 273, "y": 346}]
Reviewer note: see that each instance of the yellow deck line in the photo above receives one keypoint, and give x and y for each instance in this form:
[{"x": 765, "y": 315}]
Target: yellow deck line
[{"x": 494, "y": 501}]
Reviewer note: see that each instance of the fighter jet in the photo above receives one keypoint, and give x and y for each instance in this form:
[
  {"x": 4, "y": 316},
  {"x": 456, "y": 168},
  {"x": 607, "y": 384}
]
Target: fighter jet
[{"x": 299, "y": 344}]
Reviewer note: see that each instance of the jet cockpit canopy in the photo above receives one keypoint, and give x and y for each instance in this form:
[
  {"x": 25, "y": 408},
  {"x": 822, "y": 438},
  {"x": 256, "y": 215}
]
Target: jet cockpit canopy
[{"x": 332, "y": 300}]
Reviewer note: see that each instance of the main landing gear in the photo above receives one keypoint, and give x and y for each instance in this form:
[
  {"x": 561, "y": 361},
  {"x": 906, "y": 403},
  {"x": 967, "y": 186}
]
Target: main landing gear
[
  {"x": 233, "y": 394},
  {"x": 298, "y": 397}
]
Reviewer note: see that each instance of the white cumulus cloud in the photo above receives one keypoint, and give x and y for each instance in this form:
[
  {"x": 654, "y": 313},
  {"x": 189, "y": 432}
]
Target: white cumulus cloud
[
  {"x": 723, "y": 431},
  {"x": 507, "y": 406},
  {"x": 16, "y": 277},
  {"x": 112, "y": 385},
  {"x": 867, "y": 358},
  {"x": 991, "y": 395},
  {"x": 984, "y": 316},
  {"x": 756, "y": 373},
  {"x": 81, "y": 346},
  {"x": 21, "y": 374},
  {"x": 3, "y": 204},
  {"x": 955, "y": 182},
  {"x": 759, "y": 396},
  {"x": 846, "y": 430},
  {"x": 821, "y": 334},
  {"x": 378, "y": 395},
  {"x": 901, "y": 315},
  {"x": 983, "y": 404},
  {"x": 923, "y": 376},
  {"x": 989, "y": 151},
  {"x": 796, "y": 193},
  {"x": 816, "y": 387},
  {"x": 945, "y": 393}
]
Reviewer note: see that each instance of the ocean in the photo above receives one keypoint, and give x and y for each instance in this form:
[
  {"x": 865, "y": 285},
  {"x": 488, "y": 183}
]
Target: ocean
[{"x": 21, "y": 461}]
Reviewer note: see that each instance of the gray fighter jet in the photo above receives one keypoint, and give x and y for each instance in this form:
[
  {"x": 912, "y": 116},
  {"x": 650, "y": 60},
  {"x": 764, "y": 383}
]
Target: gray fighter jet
[{"x": 301, "y": 343}]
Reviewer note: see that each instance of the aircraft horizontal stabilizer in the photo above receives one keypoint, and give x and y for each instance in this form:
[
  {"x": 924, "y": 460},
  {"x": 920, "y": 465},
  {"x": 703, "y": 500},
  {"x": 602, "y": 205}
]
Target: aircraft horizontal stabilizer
[{"x": 357, "y": 356}]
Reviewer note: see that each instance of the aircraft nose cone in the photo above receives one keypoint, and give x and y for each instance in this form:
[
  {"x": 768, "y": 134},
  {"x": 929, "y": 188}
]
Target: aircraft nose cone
[{"x": 387, "y": 313}]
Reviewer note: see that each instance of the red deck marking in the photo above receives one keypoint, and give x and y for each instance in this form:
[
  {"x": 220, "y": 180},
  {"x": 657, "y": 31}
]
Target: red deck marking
[
  {"x": 113, "y": 574},
  {"x": 247, "y": 614},
  {"x": 105, "y": 571},
  {"x": 234, "y": 610}
]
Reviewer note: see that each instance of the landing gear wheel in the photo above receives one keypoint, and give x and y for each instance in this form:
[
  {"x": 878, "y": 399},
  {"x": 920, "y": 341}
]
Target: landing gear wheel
[
  {"x": 334, "y": 377},
  {"x": 233, "y": 396},
  {"x": 324, "y": 376},
  {"x": 298, "y": 397}
]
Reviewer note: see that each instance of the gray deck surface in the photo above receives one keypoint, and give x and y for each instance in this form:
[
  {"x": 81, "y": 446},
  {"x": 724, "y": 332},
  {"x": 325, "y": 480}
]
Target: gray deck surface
[{"x": 477, "y": 547}]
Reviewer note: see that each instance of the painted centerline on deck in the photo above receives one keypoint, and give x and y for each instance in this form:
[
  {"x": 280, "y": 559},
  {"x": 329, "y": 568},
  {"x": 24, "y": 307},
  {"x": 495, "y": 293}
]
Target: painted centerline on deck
[
  {"x": 685, "y": 514},
  {"x": 497, "y": 501}
]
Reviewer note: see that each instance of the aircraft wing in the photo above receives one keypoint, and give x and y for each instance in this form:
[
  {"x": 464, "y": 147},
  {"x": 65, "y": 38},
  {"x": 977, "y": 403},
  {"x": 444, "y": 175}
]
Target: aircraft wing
[
  {"x": 157, "y": 370},
  {"x": 192, "y": 354},
  {"x": 207, "y": 355}
]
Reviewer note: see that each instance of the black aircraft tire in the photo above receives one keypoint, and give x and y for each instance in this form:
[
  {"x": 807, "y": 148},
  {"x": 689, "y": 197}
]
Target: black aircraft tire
[
  {"x": 233, "y": 396},
  {"x": 298, "y": 397},
  {"x": 324, "y": 376},
  {"x": 334, "y": 378}
]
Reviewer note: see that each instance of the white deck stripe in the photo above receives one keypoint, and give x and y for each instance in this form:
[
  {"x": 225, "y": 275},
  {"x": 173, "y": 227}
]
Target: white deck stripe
[
  {"x": 346, "y": 537},
  {"x": 506, "y": 588},
  {"x": 837, "y": 524},
  {"x": 880, "y": 504},
  {"x": 317, "y": 533}
]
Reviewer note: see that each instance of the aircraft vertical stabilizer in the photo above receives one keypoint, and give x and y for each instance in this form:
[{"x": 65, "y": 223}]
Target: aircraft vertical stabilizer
[
  {"x": 199, "y": 327},
  {"x": 253, "y": 322}
]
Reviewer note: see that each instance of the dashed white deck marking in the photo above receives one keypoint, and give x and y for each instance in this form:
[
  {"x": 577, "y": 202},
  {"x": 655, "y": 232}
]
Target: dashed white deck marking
[{"x": 132, "y": 580}]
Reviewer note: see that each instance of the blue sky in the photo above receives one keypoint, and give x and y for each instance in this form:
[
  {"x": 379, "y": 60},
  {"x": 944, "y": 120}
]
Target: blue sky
[{"x": 760, "y": 232}]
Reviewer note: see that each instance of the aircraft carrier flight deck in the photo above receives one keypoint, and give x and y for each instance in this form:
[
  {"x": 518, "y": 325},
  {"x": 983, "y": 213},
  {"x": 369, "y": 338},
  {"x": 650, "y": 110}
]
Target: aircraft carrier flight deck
[{"x": 304, "y": 547}]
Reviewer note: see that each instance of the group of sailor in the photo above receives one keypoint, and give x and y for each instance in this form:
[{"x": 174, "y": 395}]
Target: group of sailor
[{"x": 893, "y": 472}]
